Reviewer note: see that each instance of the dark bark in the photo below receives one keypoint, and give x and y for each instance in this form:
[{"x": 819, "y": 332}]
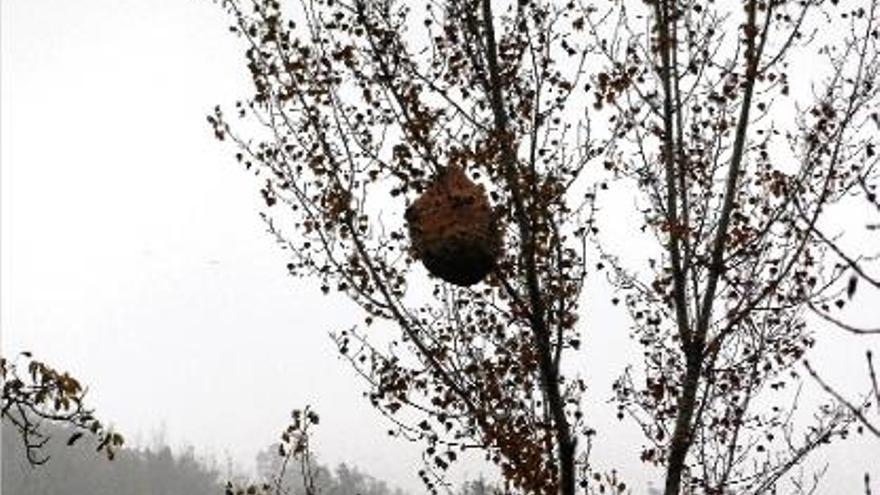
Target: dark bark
[
  {"x": 694, "y": 343},
  {"x": 682, "y": 436},
  {"x": 548, "y": 372}
]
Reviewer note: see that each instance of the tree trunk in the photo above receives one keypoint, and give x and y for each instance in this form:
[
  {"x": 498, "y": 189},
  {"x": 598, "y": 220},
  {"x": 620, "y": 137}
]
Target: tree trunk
[
  {"x": 549, "y": 373},
  {"x": 682, "y": 438}
]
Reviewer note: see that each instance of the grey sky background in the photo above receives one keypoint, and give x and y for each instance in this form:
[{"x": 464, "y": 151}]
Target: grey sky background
[
  {"x": 133, "y": 256},
  {"x": 132, "y": 252}
]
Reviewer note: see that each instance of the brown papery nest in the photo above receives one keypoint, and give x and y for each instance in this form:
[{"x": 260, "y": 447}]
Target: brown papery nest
[{"x": 453, "y": 230}]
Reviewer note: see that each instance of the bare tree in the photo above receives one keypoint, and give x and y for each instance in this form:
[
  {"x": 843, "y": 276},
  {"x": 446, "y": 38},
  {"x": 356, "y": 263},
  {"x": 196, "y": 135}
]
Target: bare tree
[
  {"x": 354, "y": 115},
  {"x": 734, "y": 190},
  {"x": 294, "y": 452},
  {"x": 473, "y": 124}
]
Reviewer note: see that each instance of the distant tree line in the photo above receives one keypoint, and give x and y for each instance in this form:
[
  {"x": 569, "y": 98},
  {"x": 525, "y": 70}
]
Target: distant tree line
[
  {"x": 76, "y": 470},
  {"x": 344, "y": 480}
]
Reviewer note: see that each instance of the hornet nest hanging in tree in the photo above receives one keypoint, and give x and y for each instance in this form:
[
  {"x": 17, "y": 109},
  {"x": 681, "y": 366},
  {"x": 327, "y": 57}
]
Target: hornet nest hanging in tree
[{"x": 453, "y": 229}]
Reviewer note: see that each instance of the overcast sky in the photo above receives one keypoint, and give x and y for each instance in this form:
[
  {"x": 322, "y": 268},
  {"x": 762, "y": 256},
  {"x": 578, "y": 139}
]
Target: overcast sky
[
  {"x": 133, "y": 255},
  {"x": 132, "y": 251}
]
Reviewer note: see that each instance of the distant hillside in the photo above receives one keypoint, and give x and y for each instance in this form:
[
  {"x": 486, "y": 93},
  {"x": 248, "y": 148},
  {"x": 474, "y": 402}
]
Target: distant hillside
[
  {"x": 78, "y": 470},
  {"x": 344, "y": 480}
]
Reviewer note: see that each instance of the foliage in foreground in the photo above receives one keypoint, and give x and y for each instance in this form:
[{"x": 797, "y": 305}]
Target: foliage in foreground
[{"x": 36, "y": 397}]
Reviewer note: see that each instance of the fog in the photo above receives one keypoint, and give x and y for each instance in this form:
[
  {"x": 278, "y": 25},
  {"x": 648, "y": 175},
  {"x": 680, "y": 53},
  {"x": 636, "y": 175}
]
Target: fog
[{"x": 133, "y": 254}]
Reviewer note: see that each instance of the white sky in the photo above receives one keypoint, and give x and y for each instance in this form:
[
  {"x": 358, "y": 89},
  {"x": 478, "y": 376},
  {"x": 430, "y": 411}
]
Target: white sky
[
  {"x": 132, "y": 251},
  {"x": 133, "y": 256}
]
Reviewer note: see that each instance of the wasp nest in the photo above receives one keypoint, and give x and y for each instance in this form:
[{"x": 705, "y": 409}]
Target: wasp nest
[{"x": 453, "y": 230}]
